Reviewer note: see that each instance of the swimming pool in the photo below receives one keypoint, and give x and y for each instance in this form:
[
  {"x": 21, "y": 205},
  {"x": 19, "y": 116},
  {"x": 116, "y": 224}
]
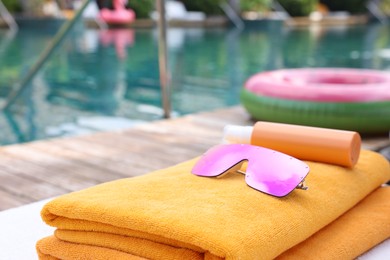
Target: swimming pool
[{"x": 104, "y": 80}]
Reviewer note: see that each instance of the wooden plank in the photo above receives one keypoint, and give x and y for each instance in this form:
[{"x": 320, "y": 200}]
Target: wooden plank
[
  {"x": 112, "y": 159},
  {"x": 375, "y": 142},
  {"x": 52, "y": 168},
  {"x": 8, "y": 200},
  {"x": 29, "y": 189},
  {"x": 78, "y": 162}
]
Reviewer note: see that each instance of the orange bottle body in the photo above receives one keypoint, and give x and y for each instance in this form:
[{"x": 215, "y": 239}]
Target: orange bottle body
[{"x": 332, "y": 146}]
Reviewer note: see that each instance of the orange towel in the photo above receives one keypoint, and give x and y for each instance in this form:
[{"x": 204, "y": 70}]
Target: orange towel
[
  {"x": 172, "y": 214},
  {"x": 359, "y": 229},
  {"x": 53, "y": 248}
]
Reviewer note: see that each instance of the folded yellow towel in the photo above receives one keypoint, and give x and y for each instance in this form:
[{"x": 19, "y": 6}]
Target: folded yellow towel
[
  {"x": 356, "y": 231},
  {"x": 172, "y": 214},
  {"x": 51, "y": 248}
]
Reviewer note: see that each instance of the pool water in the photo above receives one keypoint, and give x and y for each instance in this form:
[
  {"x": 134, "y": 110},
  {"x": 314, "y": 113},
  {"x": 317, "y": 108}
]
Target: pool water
[{"x": 107, "y": 80}]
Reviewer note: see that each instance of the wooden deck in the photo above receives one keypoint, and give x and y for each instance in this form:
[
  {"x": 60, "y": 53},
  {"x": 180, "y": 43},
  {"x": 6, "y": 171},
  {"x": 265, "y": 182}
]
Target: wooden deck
[{"x": 43, "y": 169}]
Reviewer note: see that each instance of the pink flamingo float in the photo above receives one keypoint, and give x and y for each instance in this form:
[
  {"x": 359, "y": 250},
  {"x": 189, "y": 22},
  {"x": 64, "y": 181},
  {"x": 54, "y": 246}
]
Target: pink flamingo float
[
  {"x": 119, "y": 15},
  {"x": 121, "y": 38}
]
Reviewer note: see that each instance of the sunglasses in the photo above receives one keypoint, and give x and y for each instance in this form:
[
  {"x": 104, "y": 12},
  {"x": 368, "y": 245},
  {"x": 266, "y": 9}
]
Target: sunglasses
[{"x": 268, "y": 171}]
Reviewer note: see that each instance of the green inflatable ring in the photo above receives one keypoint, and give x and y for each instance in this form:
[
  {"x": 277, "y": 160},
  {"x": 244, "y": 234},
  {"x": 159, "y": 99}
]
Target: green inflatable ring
[{"x": 363, "y": 117}]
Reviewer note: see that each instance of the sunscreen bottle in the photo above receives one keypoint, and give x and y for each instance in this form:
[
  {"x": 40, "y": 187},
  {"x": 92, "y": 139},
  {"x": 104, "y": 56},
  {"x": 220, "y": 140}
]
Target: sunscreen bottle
[{"x": 331, "y": 146}]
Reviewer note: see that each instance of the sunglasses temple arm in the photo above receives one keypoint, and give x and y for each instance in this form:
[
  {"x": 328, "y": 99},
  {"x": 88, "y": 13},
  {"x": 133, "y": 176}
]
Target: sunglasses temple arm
[
  {"x": 237, "y": 168},
  {"x": 302, "y": 186},
  {"x": 242, "y": 172}
]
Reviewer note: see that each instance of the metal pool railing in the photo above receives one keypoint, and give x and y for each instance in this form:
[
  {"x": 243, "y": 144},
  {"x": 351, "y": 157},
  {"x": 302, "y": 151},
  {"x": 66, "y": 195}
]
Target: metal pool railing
[
  {"x": 7, "y": 17},
  {"x": 58, "y": 38},
  {"x": 46, "y": 54},
  {"x": 165, "y": 80}
]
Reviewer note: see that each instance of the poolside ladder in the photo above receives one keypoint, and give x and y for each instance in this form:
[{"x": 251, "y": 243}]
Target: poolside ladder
[
  {"x": 165, "y": 79},
  {"x": 7, "y": 17},
  {"x": 282, "y": 13},
  {"x": 232, "y": 15},
  {"x": 43, "y": 58},
  {"x": 373, "y": 6}
]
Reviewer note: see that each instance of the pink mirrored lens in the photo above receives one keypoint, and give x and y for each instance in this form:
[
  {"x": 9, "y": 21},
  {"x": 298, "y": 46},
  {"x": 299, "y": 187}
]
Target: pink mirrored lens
[{"x": 268, "y": 171}]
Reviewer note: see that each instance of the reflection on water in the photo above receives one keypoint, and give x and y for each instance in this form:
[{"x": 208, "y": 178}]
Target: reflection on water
[{"x": 101, "y": 80}]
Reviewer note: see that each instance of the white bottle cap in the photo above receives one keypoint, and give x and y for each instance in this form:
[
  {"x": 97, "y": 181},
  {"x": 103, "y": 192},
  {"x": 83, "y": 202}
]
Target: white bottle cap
[{"x": 237, "y": 134}]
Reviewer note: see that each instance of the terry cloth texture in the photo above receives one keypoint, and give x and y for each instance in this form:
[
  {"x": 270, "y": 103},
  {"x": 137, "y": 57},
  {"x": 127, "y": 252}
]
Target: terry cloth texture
[
  {"x": 355, "y": 232},
  {"x": 173, "y": 214},
  {"x": 359, "y": 229},
  {"x": 53, "y": 248}
]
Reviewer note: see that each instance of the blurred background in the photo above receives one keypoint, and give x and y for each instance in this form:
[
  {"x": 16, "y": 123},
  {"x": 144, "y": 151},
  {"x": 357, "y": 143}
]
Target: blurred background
[{"x": 105, "y": 76}]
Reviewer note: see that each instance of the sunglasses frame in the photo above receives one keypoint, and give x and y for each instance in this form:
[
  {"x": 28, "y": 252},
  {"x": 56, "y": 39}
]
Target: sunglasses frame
[{"x": 277, "y": 170}]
